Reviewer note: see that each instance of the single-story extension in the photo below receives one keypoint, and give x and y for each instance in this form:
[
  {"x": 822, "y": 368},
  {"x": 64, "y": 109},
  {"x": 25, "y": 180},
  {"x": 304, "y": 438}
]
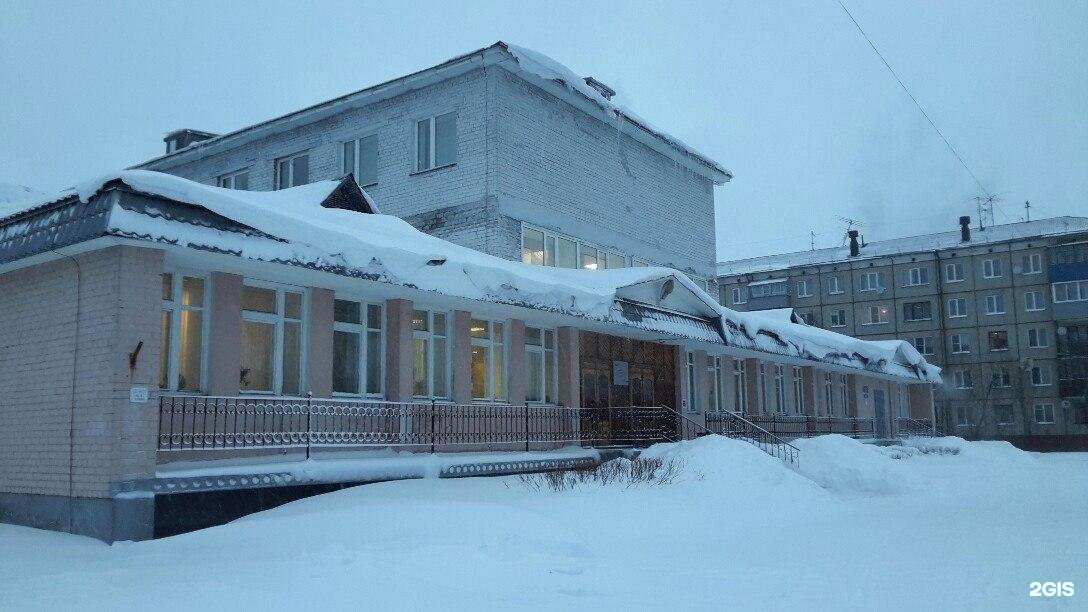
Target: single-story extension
[{"x": 173, "y": 355}]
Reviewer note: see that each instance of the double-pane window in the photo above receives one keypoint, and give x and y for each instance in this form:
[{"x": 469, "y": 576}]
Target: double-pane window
[
  {"x": 430, "y": 354},
  {"x": 293, "y": 171},
  {"x": 540, "y": 363},
  {"x": 436, "y": 141},
  {"x": 357, "y": 348},
  {"x": 271, "y": 339},
  {"x": 488, "y": 360},
  {"x": 360, "y": 159},
  {"x": 182, "y": 356}
]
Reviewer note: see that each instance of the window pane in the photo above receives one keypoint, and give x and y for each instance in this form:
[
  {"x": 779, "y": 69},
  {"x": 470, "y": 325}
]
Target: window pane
[
  {"x": 496, "y": 332},
  {"x": 532, "y": 247},
  {"x": 419, "y": 320},
  {"x": 589, "y": 258},
  {"x": 532, "y": 336},
  {"x": 478, "y": 329},
  {"x": 258, "y": 299},
  {"x": 189, "y": 350},
  {"x": 374, "y": 316},
  {"x": 167, "y": 286},
  {"x": 192, "y": 291},
  {"x": 419, "y": 366},
  {"x": 257, "y": 343},
  {"x": 283, "y": 174},
  {"x": 567, "y": 254},
  {"x": 498, "y": 377},
  {"x": 300, "y": 170},
  {"x": 423, "y": 144},
  {"x": 241, "y": 181},
  {"x": 479, "y": 371},
  {"x": 349, "y": 158},
  {"x": 534, "y": 362},
  {"x": 346, "y": 311},
  {"x": 292, "y": 346},
  {"x": 549, "y": 377},
  {"x": 445, "y": 139},
  {"x": 374, "y": 359},
  {"x": 440, "y": 371},
  {"x": 292, "y": 305},
  {"x": 549, "y": 251},
  {"x": 439, "y": 319},
  {"x": 615, "y": 260},
  {"x": 164, "y": 353},
  {"x": 345, "y": 362},
  {"x": 368, "y": 160},
  {"x": 549, "y": 339}
]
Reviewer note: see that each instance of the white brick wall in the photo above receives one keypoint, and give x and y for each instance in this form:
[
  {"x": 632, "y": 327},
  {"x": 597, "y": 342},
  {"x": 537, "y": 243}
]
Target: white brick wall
[
  {"x": 112, "y": 439},
  {"x": 522, "y": 155}
]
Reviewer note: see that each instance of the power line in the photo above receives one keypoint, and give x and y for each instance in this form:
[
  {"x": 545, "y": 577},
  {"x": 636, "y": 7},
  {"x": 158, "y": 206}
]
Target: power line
[{"x": 913, "y": 99}]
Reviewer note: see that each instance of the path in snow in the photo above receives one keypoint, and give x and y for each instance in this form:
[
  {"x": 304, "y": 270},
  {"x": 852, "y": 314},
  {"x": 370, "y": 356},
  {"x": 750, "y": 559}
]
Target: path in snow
[{"x": 858, "y": 527}]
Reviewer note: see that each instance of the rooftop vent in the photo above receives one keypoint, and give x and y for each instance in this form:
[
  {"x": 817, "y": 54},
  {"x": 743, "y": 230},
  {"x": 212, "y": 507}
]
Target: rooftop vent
[
  {"x": 855, "y": 249},
  {"x": 601, "y": 88},
  {"x": 179, "y": 139},
  {"x": 965, "y": 229}
]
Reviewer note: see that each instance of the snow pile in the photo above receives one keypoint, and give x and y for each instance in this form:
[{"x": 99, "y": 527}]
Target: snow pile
[
  {"x": 747, "y": 535},
  {"x": 844, "y": 465},
  {"x": 13, "y": 198}
]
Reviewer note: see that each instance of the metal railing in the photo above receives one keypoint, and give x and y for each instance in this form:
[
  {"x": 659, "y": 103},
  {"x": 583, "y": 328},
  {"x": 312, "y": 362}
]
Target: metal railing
[
  {"x": 733, "y": 425},
  {"x": 203, "y": 423},
  {"x": 805, "y": 426},
  {"x": 914, "y": 427}
]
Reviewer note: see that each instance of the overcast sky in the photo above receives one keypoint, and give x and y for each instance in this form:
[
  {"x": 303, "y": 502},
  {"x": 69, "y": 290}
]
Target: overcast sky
[{"x": 787, "y": 95}]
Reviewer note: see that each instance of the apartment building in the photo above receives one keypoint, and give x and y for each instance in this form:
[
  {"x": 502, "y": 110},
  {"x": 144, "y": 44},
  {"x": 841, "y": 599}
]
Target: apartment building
[
  {"x": 1002, "y": 310},
  {"x": 502, "y": 150}
]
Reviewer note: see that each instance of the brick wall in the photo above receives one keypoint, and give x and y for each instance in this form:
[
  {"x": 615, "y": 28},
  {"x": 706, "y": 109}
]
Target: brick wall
[{"x": 112, "y": 440}]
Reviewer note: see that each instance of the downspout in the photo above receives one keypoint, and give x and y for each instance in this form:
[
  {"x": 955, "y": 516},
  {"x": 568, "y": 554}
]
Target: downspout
[
  {"x": 940, "y": 328},
  {"x": 72, "y": 397}
]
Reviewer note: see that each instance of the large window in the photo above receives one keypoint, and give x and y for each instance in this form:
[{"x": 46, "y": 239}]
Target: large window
[
  {"x": 360, "y": 159},
  {"x": 780, "y": 389},
  {"x": 488, "y": 380},
  {"x": 714, "y": 370},
  {"x": 540, "y": 363},
  {"x": 272, "y": 339},
  {"x": 430, "y": 354},
  {"x": 357, "y": 348},
  {"x": 914, "y": 277},
  {"x": 234, "y": 180},
  {"x": 740, "y": 387},
  {"x": 798, "y": 390},
  {"x": 293, "y": 170},
  {"x": 872, "y": 281},
  {"x": 544, "y": 248},
  {"x": 1072, "y": 291},
  {"x": 692, "y": 380},
  {"x": 436, "y": 141},
  {"x": 828, "y": 409},
  {"x": 181, "y": 360}
]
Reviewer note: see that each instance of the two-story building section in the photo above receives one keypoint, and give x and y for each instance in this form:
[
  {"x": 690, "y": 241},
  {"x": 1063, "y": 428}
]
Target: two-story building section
[
  {"x": 502, "y": 150},
  {"x": 1003, "y": 311}
]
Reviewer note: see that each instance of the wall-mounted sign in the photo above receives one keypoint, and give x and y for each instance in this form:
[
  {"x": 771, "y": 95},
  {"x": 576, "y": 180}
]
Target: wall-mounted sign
[
  {"x": 137, "y": 395},
  {"x": 620, "y": 375}
]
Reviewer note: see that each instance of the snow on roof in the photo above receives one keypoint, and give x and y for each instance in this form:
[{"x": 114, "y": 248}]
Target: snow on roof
[
  {"x": 387, "y": 249},
  {"x": 14, "y": 197},
  {"x": 548, "y": 69},
  {"x": 779, "y": 314},
  {"x": 901, "y": 246}
]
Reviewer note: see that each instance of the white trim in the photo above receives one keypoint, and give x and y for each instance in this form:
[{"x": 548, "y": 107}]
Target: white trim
[
  {"x": 175, "y": 306},
  {"x": 278, "y": 321},
  {"x": 432, "y": 162},
  {"x": 363, "y": 330}
]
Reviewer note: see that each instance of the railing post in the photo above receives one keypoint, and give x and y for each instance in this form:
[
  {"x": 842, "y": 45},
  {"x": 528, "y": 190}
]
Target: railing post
[
  {"x": 526, "y": 427},
  {"x": 434, "y": 432},
  {"x": 309, "y": 408}
]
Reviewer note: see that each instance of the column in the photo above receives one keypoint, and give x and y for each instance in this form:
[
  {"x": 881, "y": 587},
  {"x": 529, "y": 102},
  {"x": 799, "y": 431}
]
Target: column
[
  {"x": 225, "y": 327},
  {"x": 515, "y": 361},
  {"x": 567, "y": 356},
  {"x": 319, "y": 356},
  {"x": 461, "y": 356}
]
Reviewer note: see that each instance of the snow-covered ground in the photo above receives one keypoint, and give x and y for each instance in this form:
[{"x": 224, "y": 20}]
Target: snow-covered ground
[{"x": 856, "y": 527}]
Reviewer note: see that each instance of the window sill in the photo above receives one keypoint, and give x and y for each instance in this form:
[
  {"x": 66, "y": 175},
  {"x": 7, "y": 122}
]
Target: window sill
[
  {"x": 917, "y": 320},
  {"x": 429, "y": 170},
  {"x": 1035, "y": 310},
  {"x": 953, "y": 281},
  {"x": 995, "y": 314},
  {"x": 1004, "y": 350},
  {"x": 836, "y": 326},
  {"x": 878, "y": 323}
]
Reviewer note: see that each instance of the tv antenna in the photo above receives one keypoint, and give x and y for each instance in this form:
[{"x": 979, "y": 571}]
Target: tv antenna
[
  {"x": 850, "y": 224},
  {"x": 985, "y": 206}
]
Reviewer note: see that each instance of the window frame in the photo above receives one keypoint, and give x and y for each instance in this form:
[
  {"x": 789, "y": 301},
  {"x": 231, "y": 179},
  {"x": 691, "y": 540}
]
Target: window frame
[
  {"x": 276, "y": 174},
  {"x": 963, "y": 379},
  {"x": 232, "y": 177},
  {"x": 960, "y": 313},
  {"x": 1036, "y": 263},
  {"x": 780, "y": 403},
  {"x": 278, "y": 320},
  {"x": 879, "y": 309},
  {"x": 1038, "y": 303},
  {"x": 960, "y": 275},
  {"x": 995, "y": 304},
  {"x": 363, "y": 329},
  {"x": 798, "y": 390},
  {"x": 432, "y": 131},
  {"x": 963, "y": 341},
  {"x": 1042, "y": 337},
  {"x": 804, "y": 282},
  {"x": 834, "y": 285},
  {"x": 490, "y": 343},
  {"x": 991, "y": 334},
  {"x": 553, "y": 239},
  {"x": 175, "y": 307},
  {"x": 842, "y": 318},
  {"x": 909, "y": 274},
  {"x": 1081, "y": 287},
  {"x": 910, "y": 307},
  {"x": 869, "y": 278},
  {"x": 740, "y": 290},
  {"x": 545, "y": 352},
  {"x": 927, "y": 343},
  {"x": 992, "y": 268},
  {"x": 1045, "y": 377},
  {"x": 740, "y": 386},
  {"x": 429, "y": 336},
  {"x": 356, "y": 144},
  {"x": 1047, "y": 407}
]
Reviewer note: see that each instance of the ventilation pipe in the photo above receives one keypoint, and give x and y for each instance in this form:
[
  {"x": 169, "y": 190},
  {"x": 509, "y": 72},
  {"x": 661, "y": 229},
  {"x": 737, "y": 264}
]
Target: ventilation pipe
[
  {"x": 855, "y": 249},
  {"x": 965, "y": 229}
]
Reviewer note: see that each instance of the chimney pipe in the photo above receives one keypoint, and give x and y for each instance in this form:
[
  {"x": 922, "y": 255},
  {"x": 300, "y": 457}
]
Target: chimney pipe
[
  {"x": 965, "y": 229},
  {"x": 855, "y": 250}
]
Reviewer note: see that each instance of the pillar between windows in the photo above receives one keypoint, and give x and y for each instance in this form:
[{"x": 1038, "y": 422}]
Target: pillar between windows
[
  {"x": 462, "y": 357},
  {"x": 319, "y": 362},
  {"x": 567, "y": 356},
  {"x": 515, "y": 379},
  {"x": 398, "y": 354},
  {"x": 225, "y": 331}
]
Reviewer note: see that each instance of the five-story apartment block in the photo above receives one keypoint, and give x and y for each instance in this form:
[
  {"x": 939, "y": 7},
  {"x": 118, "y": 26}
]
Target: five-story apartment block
[
  {"x": 1003, "y": 311},
  {"x": 502, "y": 150}
]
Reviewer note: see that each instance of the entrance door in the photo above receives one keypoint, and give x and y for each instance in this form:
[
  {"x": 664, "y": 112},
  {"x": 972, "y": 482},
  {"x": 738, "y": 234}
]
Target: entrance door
[{"x": 880, "y": 425}]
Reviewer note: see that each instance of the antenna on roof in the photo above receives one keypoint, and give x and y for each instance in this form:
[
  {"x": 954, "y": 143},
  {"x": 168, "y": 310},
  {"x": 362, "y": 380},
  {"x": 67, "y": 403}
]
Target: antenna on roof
[
  {"x": 985, "y": 205},
  {"x": 1027, "y": 210},
  {"x": 812, "y": 240},
  {"x": 850, "y": 223}
]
